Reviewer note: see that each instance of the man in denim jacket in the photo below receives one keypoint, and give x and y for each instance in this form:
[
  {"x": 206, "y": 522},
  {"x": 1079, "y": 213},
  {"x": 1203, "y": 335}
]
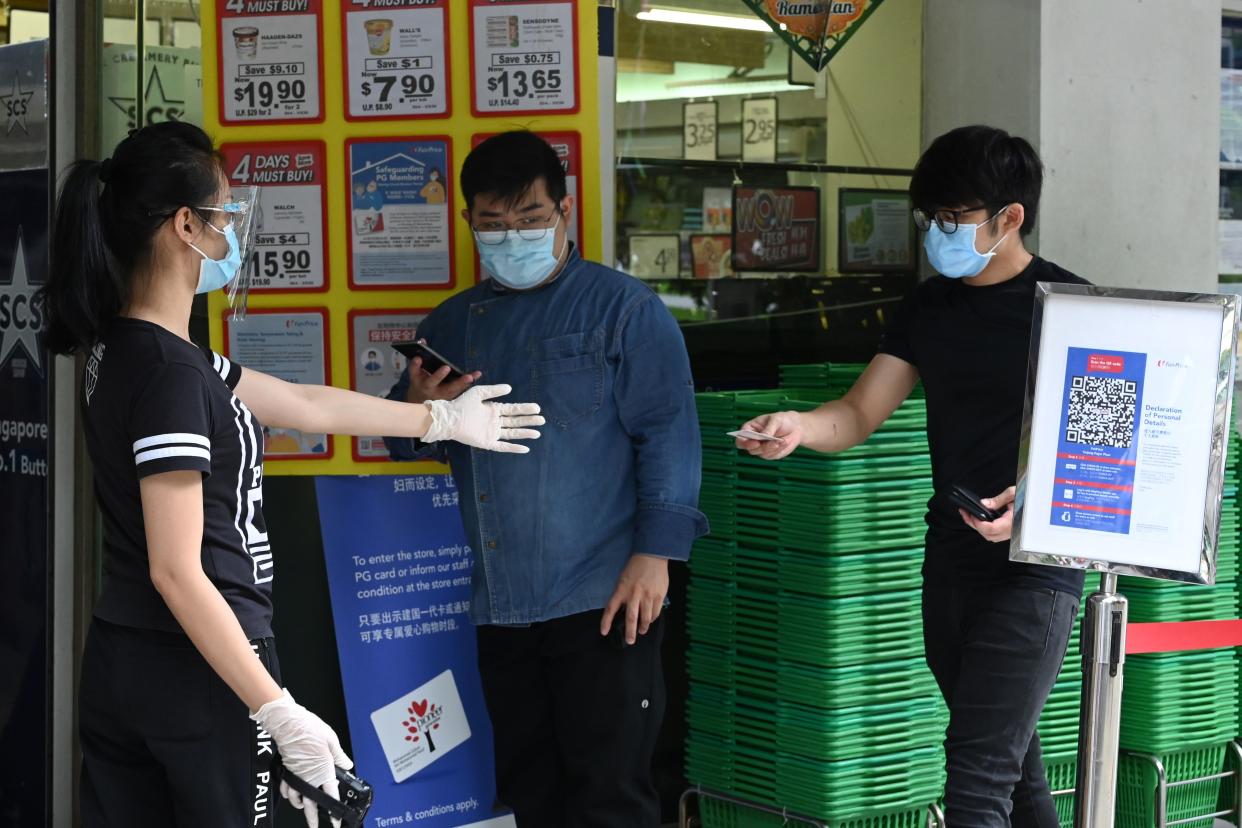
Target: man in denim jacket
[{"x": 578, "y": 533}]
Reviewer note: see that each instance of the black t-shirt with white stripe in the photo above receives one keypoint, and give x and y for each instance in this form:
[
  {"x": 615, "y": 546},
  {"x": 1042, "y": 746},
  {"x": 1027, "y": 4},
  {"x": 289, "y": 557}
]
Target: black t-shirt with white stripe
[{"x": 153, "y": 402}]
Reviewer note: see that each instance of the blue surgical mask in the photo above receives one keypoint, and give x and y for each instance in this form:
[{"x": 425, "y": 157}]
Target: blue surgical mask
[
  {"x": 518, "y": 263},
  {"x": 214, "y": 274},
  {"x": 954, "y": 254}
]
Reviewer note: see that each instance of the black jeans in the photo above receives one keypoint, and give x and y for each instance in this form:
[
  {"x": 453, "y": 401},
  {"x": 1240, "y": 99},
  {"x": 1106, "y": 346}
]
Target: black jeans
[
  {"x": 996, "y": 652},
  {"x": 165, "y": 742},
  {"x": 575, "y": 722}
]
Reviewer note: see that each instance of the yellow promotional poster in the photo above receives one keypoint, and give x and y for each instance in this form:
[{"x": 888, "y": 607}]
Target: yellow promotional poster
[{"x": 354, "y": 125}]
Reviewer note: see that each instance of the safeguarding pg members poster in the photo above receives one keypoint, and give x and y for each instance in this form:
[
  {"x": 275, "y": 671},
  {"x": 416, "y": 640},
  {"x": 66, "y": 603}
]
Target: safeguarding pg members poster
[
  {"x": 400, "y": 234},
  {"x": 1097, "y": 450}
]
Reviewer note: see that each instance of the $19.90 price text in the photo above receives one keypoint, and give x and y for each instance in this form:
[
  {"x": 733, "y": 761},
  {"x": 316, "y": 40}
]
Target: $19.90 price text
[{"x": 266, "y": 94}]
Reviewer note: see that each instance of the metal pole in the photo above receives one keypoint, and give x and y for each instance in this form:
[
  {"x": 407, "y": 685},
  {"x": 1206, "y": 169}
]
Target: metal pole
[
  {"x": 1235, "y": 748},
  {"x": 1103, "y": 657}
]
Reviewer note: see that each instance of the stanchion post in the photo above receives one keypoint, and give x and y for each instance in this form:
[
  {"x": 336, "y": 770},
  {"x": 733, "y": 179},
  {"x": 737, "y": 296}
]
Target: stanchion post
[{"x": 1103, "y": 660}]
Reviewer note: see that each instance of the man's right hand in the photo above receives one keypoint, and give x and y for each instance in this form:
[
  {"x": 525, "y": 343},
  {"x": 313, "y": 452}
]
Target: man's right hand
[
  {"x": 424, "y": 386},
  {"x": 787, "y": 425}
]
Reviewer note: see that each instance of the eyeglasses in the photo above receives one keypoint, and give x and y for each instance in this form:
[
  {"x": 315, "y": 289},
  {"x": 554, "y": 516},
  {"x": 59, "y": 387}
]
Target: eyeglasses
[
  {"x": 232, "y": 207},
  {"x": 235, "y": 210},
  {"x": 528, "y": 229},
  {"x": 948, "y": 220}
]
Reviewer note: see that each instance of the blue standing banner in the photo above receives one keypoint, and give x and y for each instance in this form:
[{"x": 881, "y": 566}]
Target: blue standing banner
[{"x": 399, "y": 578}]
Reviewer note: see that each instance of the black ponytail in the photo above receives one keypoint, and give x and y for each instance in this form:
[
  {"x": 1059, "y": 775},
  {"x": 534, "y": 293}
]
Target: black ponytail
[
  {"x": 83, "y": 288},
  {"x": 107, "y": 216}
]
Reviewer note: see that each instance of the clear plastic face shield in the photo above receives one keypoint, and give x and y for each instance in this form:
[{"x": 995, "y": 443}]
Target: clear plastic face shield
[{"x": 242, "y": 211}]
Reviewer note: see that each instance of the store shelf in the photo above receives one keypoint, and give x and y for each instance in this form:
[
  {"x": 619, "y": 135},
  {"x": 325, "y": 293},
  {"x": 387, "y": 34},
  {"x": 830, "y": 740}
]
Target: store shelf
[{"x": 632, "y": 162}]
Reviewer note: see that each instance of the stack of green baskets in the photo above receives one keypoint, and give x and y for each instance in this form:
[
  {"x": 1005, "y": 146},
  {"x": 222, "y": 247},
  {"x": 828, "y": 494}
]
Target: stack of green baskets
[
  {"x": 825, "y": 380},
  {"x": 808, "y": 688}
]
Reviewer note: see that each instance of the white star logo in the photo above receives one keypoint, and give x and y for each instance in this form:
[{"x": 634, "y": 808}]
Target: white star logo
[
  {"x": 160, "y": 107},
  {"x": 16, "y": 106},
  {"x": 17, "y": 297}
]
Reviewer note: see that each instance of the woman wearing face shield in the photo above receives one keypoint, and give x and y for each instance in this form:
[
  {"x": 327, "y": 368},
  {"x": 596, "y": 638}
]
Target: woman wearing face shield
[{"x": 181, "y": 701}]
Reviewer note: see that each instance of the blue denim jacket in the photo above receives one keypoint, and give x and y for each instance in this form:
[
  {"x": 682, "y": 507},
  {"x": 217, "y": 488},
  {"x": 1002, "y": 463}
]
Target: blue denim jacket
[{"x": 617, "y": 469}]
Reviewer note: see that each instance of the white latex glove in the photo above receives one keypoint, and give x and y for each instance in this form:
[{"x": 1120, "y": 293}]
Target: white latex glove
[
  {"x": 309, "y": 809},
  {"x": 308, "y": 748},
  {"x": 472, "y": 420}
]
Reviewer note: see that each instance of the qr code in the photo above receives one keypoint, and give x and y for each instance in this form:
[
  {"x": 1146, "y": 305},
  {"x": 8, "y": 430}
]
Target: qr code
[{"x": 1101, "y": 412}]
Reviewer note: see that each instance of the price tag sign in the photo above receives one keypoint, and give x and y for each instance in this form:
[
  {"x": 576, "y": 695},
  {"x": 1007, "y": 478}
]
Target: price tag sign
[
  {"x": 375, "y": 365},
  {"x": 655, "y": 256},
  {"x": 698, "y": 130},
  {"x": 290, "y": 242},
  {"x": 524, "y": 56},
  {"x": 397, "y": 58},
  {"x": 759, "y": 129},
  {"x": 270, "y": 61}
]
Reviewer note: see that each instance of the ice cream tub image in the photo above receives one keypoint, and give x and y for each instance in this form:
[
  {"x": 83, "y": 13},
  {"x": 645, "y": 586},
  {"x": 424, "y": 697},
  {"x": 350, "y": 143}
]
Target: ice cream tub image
[
  {"x": 246, "y": 41},
  {"x": 379, "y": 35}
]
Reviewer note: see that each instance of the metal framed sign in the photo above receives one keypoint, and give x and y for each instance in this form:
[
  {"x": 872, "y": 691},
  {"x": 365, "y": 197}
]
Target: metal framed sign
[{"x": 1126, "y": 421}]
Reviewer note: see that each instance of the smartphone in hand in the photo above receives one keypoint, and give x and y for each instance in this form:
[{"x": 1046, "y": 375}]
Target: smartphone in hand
[
  {"x": 432, "y": 361},
  {"x": 971, "y": 503}
]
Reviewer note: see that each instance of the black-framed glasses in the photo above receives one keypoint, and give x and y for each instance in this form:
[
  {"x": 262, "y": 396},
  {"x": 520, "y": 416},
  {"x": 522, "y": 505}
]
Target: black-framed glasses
[
  {"x": 530, "y": 228},
  {"x": 946, "y": 220}
]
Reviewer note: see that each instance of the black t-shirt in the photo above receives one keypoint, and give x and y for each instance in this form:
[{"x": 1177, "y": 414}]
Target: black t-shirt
[
  {"x": 970, "y": 346},
  {"x": 154, "y": 403}
]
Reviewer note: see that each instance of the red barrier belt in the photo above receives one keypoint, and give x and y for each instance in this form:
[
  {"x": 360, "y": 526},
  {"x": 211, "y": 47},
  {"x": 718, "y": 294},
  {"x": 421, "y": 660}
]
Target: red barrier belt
[{"x": 1173, "y": 636}]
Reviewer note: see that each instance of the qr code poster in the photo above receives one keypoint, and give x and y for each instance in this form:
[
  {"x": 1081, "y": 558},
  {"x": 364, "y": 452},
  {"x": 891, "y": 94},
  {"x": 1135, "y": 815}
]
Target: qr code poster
[{"x": 1099, "y": 434}]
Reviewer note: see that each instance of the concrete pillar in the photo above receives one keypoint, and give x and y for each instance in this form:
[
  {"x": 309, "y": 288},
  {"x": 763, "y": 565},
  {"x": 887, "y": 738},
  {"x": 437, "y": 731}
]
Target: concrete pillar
[{"x": 1122, "y": 100}]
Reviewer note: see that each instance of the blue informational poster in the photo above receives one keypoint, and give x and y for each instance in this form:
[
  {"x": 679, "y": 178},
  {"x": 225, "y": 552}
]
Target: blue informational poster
[
  {"x": 26, "y": 433},
  {"x": 399, "y": 577},
  {"x": 25, "y": 438},
  {"x": 1097, "y": 449},
  {"x": 400, "y": 233}
]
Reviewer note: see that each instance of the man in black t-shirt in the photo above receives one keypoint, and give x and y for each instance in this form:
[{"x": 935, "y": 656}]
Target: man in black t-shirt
[{"x": 995, "y": 631}]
